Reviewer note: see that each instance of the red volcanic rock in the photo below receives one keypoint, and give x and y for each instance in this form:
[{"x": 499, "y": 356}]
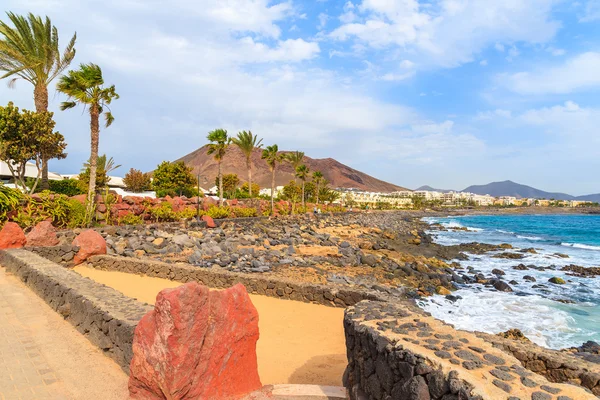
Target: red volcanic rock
[
  {"x": 12, "y": 236},
  {"x": 90, "y": 243},
  {"x": 196, "y": 344},
  {"x": 207, "y": 202},
  {"x": 43, "y": 234},
  {"x": 210, "y": 223},
  {"x": 82, "y": 198}
]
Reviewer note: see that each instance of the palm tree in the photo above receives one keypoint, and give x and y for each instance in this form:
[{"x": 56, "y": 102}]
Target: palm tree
[
  {"x": 30, "y": 51},
  {"x": 218, "y": 146},
  {"x": 295, "y": 158},
  {"x": 272, "y": 156},
  {"x": 85, "y": 86},
  {"x": 318, "y": 180},
  {"x": 302, "y": 174},
  {"x": 247, "y": 142}
]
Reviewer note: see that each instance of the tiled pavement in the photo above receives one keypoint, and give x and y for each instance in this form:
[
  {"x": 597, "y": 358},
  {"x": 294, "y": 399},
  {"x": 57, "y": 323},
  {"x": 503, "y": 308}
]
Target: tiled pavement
[{"x": 42, "y": 356}]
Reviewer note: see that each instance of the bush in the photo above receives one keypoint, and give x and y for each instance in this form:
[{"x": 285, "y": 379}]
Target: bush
[
  {"x": 62, "y": 211},
  {"x": 245, "y": 212},
  {"x": 77, "y": 214},
  {"x": 136, "y": 181},
  {"x": 187, "y": 192},
  {"x": 69, "y": 187},
  {"x": 188, "y": 213},
  {"x": 131, "y": 219},
  {"x": 218, "y": 212},
  {"x": 9, "y": 200},
  {"x": 174, "y": 179},
  {"x": 162, "y": 212}
]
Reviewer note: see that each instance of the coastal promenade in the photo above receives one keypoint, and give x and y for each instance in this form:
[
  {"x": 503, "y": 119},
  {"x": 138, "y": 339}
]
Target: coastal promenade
[{"x": 44, "y": 357}]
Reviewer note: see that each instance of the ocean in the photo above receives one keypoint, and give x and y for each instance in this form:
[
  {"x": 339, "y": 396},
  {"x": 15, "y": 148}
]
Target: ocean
[{"x": 532, "y": 307}]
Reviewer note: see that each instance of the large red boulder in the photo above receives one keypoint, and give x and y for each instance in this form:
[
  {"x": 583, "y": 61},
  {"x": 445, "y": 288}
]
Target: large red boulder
[
  {"x": 207, "y": 202},
  {"x": 82, "y": 198},
  {"x": 196, "y": 344},
  {"x": 12, "y": 236},
  {"x": 90, "y": 243},
  {"x": 43, "y": 234},
  {"x": 210, "y": 223}
]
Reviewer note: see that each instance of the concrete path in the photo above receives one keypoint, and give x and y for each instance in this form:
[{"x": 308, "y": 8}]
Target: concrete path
[{"x": 43, "y": 357}]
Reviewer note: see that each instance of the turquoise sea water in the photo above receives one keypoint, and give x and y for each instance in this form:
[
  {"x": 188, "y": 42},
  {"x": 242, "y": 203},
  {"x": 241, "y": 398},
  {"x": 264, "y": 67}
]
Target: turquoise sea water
[{"x": 533, "y": 307}]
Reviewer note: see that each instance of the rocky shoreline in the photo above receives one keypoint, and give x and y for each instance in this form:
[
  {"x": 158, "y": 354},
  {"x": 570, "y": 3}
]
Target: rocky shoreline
[{"x": 389, "y": 252}]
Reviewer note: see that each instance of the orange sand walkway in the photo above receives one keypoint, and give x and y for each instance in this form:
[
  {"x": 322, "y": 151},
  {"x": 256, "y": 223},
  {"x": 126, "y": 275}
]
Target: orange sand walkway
[
  {"x": 299, "y": 342},
  {"x": 43, "y": 357}
]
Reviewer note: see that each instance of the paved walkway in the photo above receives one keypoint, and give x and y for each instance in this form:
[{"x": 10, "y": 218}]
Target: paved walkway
[{"x": 43, "y": 357}]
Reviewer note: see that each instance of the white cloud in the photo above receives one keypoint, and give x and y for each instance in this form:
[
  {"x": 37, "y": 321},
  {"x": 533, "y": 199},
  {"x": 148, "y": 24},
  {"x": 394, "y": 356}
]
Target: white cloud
[
  {"x": 424, "y": 143},
  {"x": 453, "y": 32},
  {"x": 591, "y": 11},
  {"x": 322, "y": 20},
  {"x": 483, "y": 63},
  {"x": 487, "y": 115},
  {"x": 577, "y": 73}
]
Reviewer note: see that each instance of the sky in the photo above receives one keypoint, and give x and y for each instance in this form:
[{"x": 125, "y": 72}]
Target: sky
[{"x": 447, "y": 93}]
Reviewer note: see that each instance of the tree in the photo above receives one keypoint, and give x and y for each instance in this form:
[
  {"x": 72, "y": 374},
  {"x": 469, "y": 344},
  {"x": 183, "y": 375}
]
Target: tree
[
  {"x": 230, "y": 184},
  {"x": 291, "y": 192},
  {"x": 85, "y": 86},
  {"x": 302, "y": 174},
  {"x": 104, "y": 166},
  {"x": 245, "y": 191},
  {"x": 219, "y": 142},
  {"x": 318, "y": 181},
  {"x": 247, "y": 142},
  {"x": 28, "y": 136},
  {"x": 294, "y": 158},
  {"x": 29, "y": 50},
  {"x": 272, "y": 156},
  {"x": 174, "y": 179},
  {"x": 137, "y": 181}
]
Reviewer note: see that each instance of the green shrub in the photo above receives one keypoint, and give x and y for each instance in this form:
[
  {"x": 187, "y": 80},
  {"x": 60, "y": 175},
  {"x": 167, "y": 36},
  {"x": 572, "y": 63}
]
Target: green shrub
[
  {"x": 218, "y": 212},
  {"x": 162, "y": 212},
  {"x": 282, "y": 209},
  {"x": 245, "y": 212},
  {"x": 188, "y": 213},
  {"x": 187, "y": 192},
  {"x": 62, "y": 211},
  {"x": 131, "y": 219},
  {"x": 9, "y": 200},
  {"x": 69, "y": 187},
  {"x": 77, "y": 214}
]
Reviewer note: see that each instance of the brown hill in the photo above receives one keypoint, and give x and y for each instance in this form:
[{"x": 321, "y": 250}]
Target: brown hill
[{"x": 338, "y": 174}]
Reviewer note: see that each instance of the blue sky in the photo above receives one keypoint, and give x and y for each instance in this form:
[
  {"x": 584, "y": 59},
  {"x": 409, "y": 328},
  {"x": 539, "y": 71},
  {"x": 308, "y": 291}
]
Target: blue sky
[{"x": 441, "y": 92}]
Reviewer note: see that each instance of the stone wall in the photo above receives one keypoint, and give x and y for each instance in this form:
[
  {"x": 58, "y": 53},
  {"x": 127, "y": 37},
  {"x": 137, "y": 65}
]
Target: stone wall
[
  {"x": 329, "y": 295},
  {"x": 394, "y": 353},
  {"x": 58, "y": 254},
  {"x": 556, "y": 366},
  {"x": 105, "y": 316}
]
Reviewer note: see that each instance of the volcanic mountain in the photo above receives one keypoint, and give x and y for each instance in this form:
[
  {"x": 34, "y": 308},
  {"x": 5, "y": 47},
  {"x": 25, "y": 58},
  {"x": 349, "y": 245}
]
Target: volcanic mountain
[{"x": 234, "y": 162}]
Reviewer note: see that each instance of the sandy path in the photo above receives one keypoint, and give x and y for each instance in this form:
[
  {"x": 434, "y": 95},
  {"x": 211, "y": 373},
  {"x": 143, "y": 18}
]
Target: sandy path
[
  {"x": 43, "y": 356},
  {"x": 299, "y": 342}
]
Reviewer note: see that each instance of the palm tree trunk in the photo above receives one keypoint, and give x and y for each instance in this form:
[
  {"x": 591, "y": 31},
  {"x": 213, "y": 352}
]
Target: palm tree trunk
[
  {"x": 95, "y": 139},
  {"x": 40, "y": 97},
  {"x": 272, "y": 191},
  {"x": 220, "y": 186},
  {"x": 317, "y": 189},
  {"x": 249, "y": 166},
  {"x": 303, "y": 206}
]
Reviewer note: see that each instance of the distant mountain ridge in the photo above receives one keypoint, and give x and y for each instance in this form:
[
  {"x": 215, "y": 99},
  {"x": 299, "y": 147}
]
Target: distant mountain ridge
[
  {"x": 510, "y": 188},
  {"x": 234, "y": 162},
  {"x": 430, "y": 189}
]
